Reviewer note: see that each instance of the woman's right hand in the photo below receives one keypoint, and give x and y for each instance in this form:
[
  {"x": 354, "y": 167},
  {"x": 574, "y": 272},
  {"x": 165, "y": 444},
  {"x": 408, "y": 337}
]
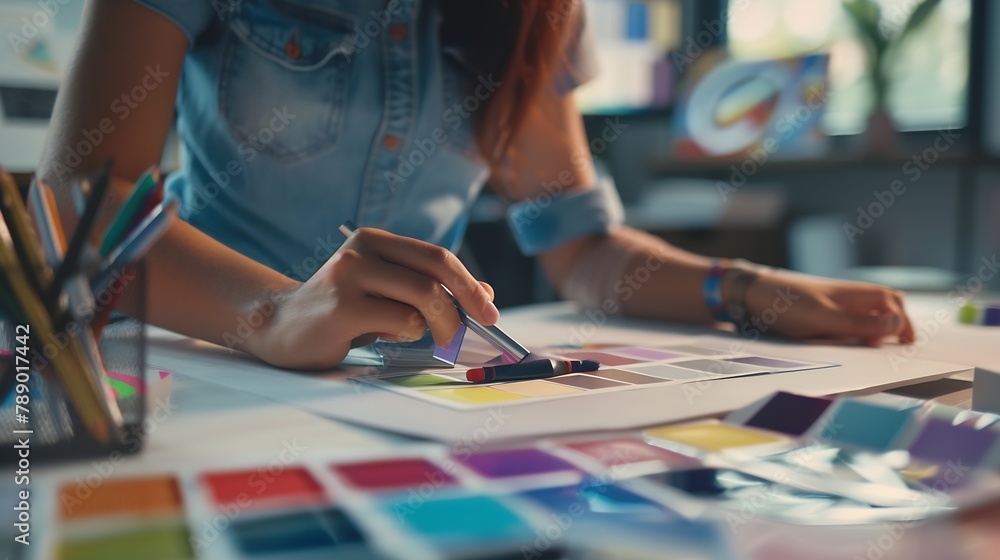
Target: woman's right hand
[{"x": 376, "y": 284}]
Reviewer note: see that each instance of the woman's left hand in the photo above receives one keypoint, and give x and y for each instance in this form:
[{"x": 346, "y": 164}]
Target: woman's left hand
[{"x": 800, "y": 306}]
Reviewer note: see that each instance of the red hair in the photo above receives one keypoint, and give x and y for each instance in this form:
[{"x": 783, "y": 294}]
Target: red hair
[{"x": 523, "y": 41}]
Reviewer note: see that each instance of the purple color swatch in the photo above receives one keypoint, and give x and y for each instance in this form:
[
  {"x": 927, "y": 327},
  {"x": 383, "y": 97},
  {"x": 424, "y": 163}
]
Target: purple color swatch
[
  {"x": 605, "y": 359},
  {"x": 769, "y": 363},
  {"x": 789, "y": 414},
  {"x": 943, "y": 442},
  {"x": 991, "y": 316},
  {"x": 515, "y": 462}
]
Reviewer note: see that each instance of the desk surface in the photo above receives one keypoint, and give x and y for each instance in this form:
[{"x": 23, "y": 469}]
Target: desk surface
[{"x": 204, "y": 420}]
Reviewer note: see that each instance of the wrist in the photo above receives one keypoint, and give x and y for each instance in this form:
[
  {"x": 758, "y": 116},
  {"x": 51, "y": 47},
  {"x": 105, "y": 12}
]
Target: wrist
[
  {"x": 726, "y": 288},
  {"x": 259, "y": 324},
  {"x": 737, "y": 281}
]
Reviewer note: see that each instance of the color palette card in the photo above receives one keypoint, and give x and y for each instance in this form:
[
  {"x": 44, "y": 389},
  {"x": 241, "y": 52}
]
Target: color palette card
[
  {"x": 408, "y": 502},
  {"x": 672, "y": 487},
  {"x": 119, "y": 518},
  {"x": 623, "y": 368},
  {"x": 884, "y": 450}
]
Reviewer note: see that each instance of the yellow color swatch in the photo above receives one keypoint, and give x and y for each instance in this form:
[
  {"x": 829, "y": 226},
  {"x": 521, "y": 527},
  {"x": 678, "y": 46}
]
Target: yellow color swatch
[
  {"x": 537, "y": 388},
  {"x": 473, "y": 395},
  {"x": 712, "y": 437}
]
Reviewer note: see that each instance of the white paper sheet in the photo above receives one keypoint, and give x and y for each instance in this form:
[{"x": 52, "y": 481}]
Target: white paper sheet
[{"x": 329, "y": 394}]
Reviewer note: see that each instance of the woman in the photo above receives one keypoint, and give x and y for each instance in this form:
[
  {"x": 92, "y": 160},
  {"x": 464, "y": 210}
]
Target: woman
[{"x": 296, "y": 115}]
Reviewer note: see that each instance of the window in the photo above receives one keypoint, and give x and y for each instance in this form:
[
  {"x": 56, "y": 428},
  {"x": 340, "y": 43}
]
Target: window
[
  {"x": 632, "y": 40},
  {"x": 929, "y": 82}
]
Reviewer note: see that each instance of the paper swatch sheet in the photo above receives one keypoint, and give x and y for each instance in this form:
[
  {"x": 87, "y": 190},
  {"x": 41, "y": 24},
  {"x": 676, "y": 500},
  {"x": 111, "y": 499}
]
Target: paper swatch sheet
[{"x": 623, "y": 368}]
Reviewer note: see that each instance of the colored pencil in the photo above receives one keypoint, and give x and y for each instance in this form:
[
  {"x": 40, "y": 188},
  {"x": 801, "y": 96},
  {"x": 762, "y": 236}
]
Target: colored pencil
[
  {"x": 82, "y": 233},
  {"x": 26, "y": 243},
  {"x": 128, "y": 212},
  {"x": 82, "y": 387},
  {"x": 133, "y": 247}
]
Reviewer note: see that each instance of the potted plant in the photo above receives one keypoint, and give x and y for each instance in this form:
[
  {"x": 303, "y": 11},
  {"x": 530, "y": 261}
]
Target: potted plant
[{"x": 883, "y": 39}]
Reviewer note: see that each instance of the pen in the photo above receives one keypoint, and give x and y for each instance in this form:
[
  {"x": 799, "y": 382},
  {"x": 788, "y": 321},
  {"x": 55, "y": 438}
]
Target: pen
[
  {"x": 512, "y": 351},
  {"x": 23, "y": 234},
  {"x": 82, "y": 233},
  {"x": 138, "y": 242},
  {"x": 85, "y": 390},
  {"x": 532, "y": 369},
  {"x": 129, "y": 211},
  {"x": 53, "y": 244}
]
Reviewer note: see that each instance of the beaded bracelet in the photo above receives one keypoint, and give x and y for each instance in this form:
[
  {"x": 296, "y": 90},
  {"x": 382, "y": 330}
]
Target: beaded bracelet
[
  {"x": 732, "y": 309},
  {"x": 712, "y": 290}
]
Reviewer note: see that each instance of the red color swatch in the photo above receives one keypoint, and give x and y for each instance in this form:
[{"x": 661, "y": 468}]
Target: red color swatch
[
  {"x": 393, "y": 474},
  {"x": 258, "y": 487}
]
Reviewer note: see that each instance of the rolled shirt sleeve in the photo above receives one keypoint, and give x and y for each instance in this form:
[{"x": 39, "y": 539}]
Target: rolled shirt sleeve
[{"x": 191, "y": 16}]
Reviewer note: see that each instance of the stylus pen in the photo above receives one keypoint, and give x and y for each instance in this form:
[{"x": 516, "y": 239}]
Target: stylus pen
[{"x": 512, "y": 351}]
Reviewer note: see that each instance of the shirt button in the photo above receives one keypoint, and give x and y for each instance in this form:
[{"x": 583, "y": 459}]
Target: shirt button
[
  {"x": 292, "y": 48},
  {"x": 391, "y": 142},
  {"x": 397, "y": 31}
]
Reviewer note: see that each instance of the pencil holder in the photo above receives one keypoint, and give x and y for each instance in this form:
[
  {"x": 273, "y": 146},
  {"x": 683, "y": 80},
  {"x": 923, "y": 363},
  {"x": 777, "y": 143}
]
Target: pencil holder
[{"x": 35, "y": 407}]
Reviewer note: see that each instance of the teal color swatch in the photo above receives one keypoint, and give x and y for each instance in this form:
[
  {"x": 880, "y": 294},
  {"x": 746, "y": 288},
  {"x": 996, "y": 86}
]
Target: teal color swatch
[{"x": 864, "y": 424}]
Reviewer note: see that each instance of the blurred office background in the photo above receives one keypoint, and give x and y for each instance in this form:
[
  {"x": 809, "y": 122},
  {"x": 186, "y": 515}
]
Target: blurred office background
[
  {"x": 690, "y": 93},
  {"x": 941, "y": 81}
]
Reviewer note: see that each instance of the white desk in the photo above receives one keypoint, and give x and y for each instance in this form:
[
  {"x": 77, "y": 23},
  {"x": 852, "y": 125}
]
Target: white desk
[
  {"x": 206, "y": 420},
  {"x": 208, "y": 423}
]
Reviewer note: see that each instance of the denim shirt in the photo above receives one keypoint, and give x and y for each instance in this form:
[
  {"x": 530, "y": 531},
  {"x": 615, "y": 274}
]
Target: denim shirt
[{"x": 296, "y": 115}]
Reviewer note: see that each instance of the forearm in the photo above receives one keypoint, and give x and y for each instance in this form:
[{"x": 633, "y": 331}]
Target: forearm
[
  {"x": 193, "y": 284},
  {"x": 198, "y": 287},
  {"x": 635, "y": 273}
]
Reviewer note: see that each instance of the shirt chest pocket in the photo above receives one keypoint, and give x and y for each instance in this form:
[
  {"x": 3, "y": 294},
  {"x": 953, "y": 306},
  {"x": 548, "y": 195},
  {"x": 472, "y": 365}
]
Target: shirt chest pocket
[{"x": 283, "y": 83}]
